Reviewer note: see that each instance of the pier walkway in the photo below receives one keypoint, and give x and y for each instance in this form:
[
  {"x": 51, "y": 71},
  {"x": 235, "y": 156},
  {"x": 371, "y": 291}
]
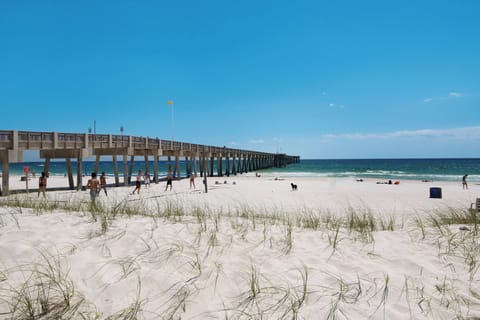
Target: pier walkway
[{"x": 199, "y": 159}]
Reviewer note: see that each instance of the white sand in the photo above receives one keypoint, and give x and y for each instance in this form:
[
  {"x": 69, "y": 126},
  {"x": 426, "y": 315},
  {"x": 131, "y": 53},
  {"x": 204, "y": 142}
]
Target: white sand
[{"x": 180, "y": 268}]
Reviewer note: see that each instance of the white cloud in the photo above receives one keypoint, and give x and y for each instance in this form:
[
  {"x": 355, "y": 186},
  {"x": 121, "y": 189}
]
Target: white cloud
[
  {"x": 257, "y": 141},
  {"x": 428, "y": 100},
  {"x": 324, "y": 93},
  {"x": 465, "y": 133},
  {"x": 333, "y": 105},
  {"x": 455, "y": 94}
]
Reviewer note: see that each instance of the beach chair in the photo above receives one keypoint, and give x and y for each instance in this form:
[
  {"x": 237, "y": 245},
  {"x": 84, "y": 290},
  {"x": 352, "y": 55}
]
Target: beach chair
[{"x": 477, "y": 205}]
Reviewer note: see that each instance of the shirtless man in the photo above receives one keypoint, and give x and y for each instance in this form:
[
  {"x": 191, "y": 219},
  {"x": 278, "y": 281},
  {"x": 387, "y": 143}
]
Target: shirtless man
[
  {"x": 169, "y": 182},
  {"x": 94, "y": 186},
  {"x": 138, "y": 182}
]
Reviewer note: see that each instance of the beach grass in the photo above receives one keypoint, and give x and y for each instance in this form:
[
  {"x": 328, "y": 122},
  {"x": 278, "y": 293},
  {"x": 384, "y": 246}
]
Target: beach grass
[{"x": 47, "y": 290}]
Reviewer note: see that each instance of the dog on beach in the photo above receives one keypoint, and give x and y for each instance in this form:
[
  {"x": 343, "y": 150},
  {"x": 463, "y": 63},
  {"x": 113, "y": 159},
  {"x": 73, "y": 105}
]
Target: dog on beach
[{"x": 294, "y": 186}]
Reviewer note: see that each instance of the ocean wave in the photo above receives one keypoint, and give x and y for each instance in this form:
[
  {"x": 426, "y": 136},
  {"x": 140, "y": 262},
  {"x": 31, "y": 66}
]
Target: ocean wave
[{"x": 380, "y": 174}]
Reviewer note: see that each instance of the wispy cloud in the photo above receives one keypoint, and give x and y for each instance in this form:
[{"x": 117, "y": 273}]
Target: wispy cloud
[
  {"x": 471, "y": 133},
  {"x": 334, "y": 105},
  {"x": 257, "y": 141},
  {"x": 451, "y": 94},
  {"x": 455, "y": 94}
]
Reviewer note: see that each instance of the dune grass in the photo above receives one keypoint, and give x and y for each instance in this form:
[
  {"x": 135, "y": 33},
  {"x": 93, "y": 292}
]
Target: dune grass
[{"x": 47, "y": 291}]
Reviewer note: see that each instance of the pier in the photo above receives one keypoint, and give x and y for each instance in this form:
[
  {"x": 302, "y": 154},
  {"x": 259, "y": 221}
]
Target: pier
[{"x": 199, "y": 159}]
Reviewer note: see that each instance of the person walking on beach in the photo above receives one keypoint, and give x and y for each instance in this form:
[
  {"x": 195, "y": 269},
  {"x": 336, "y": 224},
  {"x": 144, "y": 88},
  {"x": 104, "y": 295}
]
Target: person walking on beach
[
  {"x": 192, "y": 181},
  {"x": 138, "y": 182},
  {"x": 169, "y": 182},
  {"x": 42, "y": 184},
  {"x": 464, "y": 182},
  {"x": 146, "y": 179},
  {"x": 94, "y": 185},
  {"x": 103, "y": 183}
]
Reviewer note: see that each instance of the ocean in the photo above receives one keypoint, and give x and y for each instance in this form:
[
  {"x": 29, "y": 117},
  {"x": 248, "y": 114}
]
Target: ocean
[{"x": 381, "y": 169}]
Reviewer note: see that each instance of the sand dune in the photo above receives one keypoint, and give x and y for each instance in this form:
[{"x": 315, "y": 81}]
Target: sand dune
[{"x": 250, "y": 248}]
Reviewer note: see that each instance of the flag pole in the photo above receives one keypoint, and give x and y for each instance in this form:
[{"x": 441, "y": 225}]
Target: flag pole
[{"x": 170, "y": 103}]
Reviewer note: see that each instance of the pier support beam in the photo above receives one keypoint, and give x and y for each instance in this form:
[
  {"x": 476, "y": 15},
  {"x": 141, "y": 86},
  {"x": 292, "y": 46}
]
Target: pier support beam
[
  {"x": 188, "y": 169},
  {"x": 194, "y": 160},
  {"x": 155, "y": 167},
  {"x": 177, "y": 166},
  {"x": 234, "y": 169},
  {"x": 125, "y": 170},
  {"x": 219, "y": 165},
  {"x": 97, "y": 160},
  {"x": 130, "y": 169},
  {"x": 46, "y": 167},
  {"x": 212, "y": 159},
  {"x": 5, "y": 191},
  {"x": 71, "y": 183},
  {"x": 79, "y": 170},
  {"x": 147, "y": 164},
  {"x": 169, "y": 160},
  {"x": 115, "y": 170}
]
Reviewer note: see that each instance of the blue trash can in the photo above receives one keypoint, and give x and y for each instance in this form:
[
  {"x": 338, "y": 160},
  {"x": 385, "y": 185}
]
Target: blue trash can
[{"x": 436, "y": 193}]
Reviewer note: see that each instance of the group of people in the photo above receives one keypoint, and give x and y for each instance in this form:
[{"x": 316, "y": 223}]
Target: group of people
[
  {"x": 96, "y": 185},
  {"x": 146, "y": 179},
  {"x": 138, "y": 181}
]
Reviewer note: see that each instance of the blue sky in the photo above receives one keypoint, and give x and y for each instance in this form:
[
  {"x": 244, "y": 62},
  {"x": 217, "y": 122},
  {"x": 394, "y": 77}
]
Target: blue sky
[{"x": 319, "y": 79}]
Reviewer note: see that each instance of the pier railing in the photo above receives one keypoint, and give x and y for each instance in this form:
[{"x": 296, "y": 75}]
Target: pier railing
[{"x": 30, "y": 140}]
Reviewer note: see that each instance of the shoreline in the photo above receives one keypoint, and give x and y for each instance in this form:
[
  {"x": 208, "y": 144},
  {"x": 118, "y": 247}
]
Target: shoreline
[{"x": 328, "y": 194}]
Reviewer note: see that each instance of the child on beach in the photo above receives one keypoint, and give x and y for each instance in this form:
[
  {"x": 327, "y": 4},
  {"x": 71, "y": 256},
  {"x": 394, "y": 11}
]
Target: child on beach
[
  {"x": 138, "y": 182},
  {"x": 192, "y": 181},
  {"x": 94, "y": 187},
  {"x": 103, "y": 183},
  {"x": 42, "y": 184}
]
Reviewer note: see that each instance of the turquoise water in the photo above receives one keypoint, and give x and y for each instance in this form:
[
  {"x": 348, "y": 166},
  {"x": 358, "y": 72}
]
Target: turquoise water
[{"x": 395, "y": 169}]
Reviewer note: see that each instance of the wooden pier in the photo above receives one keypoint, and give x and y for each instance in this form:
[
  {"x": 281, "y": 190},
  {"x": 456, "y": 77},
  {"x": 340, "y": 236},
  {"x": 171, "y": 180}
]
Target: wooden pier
[{"x": 199, "y": 158}]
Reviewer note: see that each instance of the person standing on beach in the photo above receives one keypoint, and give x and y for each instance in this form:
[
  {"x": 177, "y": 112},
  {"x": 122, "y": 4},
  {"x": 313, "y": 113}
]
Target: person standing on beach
[
  {"x": 169, "y": 182},
  {"x": 146, "y": 179},
  {"x": 103, "y": 183},
  {"x": 42, "y": 184},
  {"x": 192, "y": 181},
  {"x": 94, "y": 187},
  {"x": 138, "y": 182},
  {"x": 464, "y": 182}
]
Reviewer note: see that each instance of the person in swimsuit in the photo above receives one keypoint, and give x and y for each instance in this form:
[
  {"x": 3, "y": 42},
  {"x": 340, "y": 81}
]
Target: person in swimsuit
[
  {"x": 138, "y": 182},
  {"x": 146, "y": 179},
  {"x": 192, "y": 181},
  {"x": 103, "y": 183},
  {"x": 464, "y": 182},
  {"x": 94, "y": 185},
  {"x": 169, "y": 182},
  {"x": 42, "y": 184}
]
